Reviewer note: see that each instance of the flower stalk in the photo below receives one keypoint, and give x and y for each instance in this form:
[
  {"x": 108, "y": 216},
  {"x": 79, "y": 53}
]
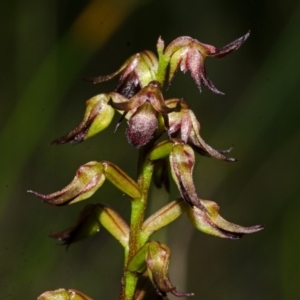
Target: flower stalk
[
  {"x": 138, "y": 207},
  {"x": 166, "y": 133}
]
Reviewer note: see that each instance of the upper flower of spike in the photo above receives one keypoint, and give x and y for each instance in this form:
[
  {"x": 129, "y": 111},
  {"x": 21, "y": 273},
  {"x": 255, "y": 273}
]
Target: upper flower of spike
[
  {"x": 136, "y": 73},
  {"x": 189, "y": 54}
]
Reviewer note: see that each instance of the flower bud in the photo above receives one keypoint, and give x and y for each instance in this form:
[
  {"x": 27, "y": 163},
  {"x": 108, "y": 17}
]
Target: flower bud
[{"x": 97, "y": 117}]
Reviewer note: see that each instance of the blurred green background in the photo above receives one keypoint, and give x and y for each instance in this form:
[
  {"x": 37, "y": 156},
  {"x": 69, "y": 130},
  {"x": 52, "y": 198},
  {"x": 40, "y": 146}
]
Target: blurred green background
[{"x": 48, "y": 46}]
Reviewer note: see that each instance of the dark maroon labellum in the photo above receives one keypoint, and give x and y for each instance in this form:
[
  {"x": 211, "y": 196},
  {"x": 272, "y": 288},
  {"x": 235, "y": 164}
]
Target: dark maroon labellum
[{"x": 142, "y": 126}]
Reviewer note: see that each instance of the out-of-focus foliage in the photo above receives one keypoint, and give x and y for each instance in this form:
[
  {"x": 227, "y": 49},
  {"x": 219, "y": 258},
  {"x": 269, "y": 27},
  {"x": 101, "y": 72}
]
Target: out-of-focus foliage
[{"x": 48, "y": 47}]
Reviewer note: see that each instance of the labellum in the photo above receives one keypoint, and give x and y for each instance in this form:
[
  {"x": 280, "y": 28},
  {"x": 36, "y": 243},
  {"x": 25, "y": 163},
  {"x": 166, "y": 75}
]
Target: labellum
[{"x": 142, "y": 126}]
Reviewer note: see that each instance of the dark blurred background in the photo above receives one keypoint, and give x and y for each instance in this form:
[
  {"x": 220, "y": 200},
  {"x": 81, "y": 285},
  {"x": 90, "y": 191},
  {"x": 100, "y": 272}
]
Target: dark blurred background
[{"x": 48, "y": 46}]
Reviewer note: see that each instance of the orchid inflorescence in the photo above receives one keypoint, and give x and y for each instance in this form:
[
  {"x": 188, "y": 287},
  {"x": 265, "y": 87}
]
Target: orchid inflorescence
[{"x": 139, "y": 99}]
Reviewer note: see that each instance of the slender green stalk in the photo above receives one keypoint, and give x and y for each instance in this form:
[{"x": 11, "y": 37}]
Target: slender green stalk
[{"x": 138, "y": 208}]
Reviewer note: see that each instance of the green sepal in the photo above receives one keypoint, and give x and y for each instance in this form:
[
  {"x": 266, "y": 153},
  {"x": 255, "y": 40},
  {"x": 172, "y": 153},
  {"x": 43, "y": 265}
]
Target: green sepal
[
  {"x": 212, "y": 223},
  {"x": 88, "y": 179},
  {"x": 121, "y": 180},
  {"x": 138, "y": 263},
  {"x": 91, "y": 218},
  {"x": 63, "y": 294},
  {"x": 143, "y": 66},
  {"x": 175, "y": 62},
  {"x": 103, "y": 113},
  {"x": 98, "y": 115},
  {"x": 114, "y": 224},
  {"x": 147, "y": 67},
  {"x": 161, "y": 150},
  {"x": 86, "y": 226},
  {"x": 163, "y": 217}
]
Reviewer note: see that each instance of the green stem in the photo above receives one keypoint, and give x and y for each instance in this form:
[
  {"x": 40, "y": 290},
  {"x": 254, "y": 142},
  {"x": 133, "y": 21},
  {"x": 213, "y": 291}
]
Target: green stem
[
  {"x": 163, "y": 62},
  {"x": 138, "y": 208}
]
